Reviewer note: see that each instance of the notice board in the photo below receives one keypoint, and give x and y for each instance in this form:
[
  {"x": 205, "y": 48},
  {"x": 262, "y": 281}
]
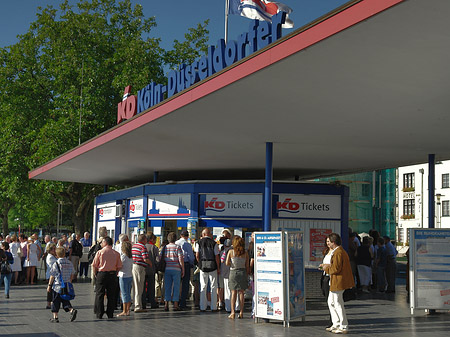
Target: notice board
[{"x": 429, "y": 269}]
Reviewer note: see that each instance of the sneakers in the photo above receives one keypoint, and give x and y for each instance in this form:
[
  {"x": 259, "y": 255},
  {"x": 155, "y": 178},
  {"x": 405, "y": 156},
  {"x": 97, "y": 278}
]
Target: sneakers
[
  {"x": 54, "y": 320},
  {"x": 73, "y": 315},
  {"x": 339, "y": 330},
  {"x": 330, "y": 328}
]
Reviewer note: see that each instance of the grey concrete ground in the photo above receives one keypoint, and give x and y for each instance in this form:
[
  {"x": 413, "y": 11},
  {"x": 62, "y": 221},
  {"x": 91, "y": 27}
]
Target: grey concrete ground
[{"x": 24, "y": 314}]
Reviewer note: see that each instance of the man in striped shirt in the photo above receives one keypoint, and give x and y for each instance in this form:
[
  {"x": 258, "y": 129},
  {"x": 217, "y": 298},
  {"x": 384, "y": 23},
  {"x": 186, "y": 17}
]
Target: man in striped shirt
[{"x": 140, "y": 262}]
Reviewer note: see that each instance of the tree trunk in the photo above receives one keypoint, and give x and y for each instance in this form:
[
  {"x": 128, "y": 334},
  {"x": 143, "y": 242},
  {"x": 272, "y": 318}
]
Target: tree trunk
[
  {"x": 81, "y": 197},
  {"x": 6, "y": 206}
]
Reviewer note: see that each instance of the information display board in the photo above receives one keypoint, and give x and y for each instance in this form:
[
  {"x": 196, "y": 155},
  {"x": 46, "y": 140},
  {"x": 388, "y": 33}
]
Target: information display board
[
  {"x": 429, "y": 268},
  {"x": 279, "y": 276},
  {"x": 296, "y": 280},
  {"x": 269, "y": 275}
]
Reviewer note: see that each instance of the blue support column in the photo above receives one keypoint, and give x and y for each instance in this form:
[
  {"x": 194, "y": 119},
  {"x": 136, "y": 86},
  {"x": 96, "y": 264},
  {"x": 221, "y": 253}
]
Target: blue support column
[
  {"x": 431, "y": 187},
  {"x": 268, "y": 188}
]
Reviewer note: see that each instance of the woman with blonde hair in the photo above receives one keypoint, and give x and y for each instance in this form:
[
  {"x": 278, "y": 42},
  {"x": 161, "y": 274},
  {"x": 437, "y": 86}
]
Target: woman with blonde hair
[
  {"x": 238, "y": 261},
  {"x": 126, "y": 277}
]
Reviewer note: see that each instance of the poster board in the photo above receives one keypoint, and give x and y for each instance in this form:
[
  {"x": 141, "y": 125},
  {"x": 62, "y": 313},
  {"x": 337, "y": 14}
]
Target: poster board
[
  {"x": 270, "y": 275},
  {"x": 279, "y": 276},
  {"x": 296, "y": 276},
  {"x": 429, "y": 268}
]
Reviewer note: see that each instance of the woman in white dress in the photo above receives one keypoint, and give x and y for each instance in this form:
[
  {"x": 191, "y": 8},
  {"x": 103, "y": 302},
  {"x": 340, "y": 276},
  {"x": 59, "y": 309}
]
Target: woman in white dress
[
  {"x": 15, "y": 250},
  {"x": 31, "y": 261}
]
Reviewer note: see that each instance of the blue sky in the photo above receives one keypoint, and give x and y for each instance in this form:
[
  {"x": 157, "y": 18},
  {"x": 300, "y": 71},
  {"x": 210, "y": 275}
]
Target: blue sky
[{"x": 173, "y": 17}]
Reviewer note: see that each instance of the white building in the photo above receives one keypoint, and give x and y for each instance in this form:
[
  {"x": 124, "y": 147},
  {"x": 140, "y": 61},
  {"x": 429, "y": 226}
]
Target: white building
[{"x": 413, "y": 198}]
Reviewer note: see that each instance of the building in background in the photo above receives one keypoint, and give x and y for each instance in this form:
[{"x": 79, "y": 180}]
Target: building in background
[
  {"x": 372, "y": 200},
  {"x": 413, "y": 198}
]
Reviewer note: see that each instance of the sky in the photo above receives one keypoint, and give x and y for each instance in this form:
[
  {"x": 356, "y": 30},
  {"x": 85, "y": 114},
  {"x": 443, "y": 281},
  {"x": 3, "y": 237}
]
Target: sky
[{"x": 173, "y": 17}]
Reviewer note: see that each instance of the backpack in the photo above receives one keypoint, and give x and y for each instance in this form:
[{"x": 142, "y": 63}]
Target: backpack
[
  {"x": 77, "y": 248},
  {"x": 94, "y": 249},
  {"x": 207, "y": 261}
]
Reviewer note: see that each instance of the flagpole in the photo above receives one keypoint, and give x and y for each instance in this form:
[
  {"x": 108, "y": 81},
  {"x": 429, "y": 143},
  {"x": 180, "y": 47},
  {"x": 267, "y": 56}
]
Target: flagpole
[{"x": 227, "y": 6}]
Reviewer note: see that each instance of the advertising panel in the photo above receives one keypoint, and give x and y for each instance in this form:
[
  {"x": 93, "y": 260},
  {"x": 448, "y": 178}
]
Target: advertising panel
[
  {"x": 430, "y": 268},
  {"x": 231, "y": 205},
  {"x": 169, "y": 205},
  {"x": 296, "y": 280},
  {"x": 317, "y": 239},
  {"x": 269, "y": 275},
  {"x": 310, "y": 206},
  {"x": 136, "y": 208},
  {"x": 106, "y": 213}
]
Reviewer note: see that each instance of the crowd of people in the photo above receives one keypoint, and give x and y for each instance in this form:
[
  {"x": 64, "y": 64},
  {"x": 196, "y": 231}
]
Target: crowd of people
[
  {"x": 148, "y": 276},
  {"x": 216, "y": 272}
]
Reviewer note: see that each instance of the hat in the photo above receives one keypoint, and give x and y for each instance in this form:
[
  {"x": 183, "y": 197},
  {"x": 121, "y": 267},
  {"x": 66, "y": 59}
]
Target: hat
[
  {"x": 227, "y": 230},
  {"x": 185, "y": 233}
]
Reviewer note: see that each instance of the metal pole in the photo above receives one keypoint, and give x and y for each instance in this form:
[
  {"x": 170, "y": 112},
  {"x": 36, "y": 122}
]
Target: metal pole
[
  {"x": 268, "y": 188},
  {"x": 227, "y": 6},
  {"x": 431, "y": 180}
]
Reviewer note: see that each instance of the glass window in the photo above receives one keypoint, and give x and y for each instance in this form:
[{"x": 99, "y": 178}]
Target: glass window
[
  {"x": 446, "y": 208},
  {"x": 445, "y": 180},
  {"x": 408, "y": 181},
  {"x": 408, "y": 208}
]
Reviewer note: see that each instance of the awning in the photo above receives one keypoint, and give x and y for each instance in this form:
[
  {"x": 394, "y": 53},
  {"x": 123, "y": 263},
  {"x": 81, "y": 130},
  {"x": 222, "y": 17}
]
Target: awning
[{"x": 366, "y": 89}]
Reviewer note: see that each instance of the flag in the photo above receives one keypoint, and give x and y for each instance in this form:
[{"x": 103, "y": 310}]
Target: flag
[{"x": 260, "y": 10}]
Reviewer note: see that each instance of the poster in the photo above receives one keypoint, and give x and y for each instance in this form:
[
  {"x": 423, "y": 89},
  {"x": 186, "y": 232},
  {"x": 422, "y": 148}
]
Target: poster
[
  {"x": 317, "y": 238},
  {"x": 296, "y": 283},
  {"x": 269, "y": 275},
  {"x": 430, "y": 268}
]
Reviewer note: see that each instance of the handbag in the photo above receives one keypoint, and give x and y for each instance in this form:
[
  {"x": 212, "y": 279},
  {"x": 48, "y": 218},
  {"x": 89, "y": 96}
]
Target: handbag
[
  {"x": 67, "y": 291},
  {"x": 5, "y": 267},
  {"x": 161, "y": 265},
  {"x": 349, "y": 294},
  {"x": 19, "y": 252}
]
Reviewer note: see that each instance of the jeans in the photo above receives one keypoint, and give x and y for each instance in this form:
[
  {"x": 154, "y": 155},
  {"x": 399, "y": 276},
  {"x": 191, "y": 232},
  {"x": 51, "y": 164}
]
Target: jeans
[
  {"x": 84, "y": 266},
  {"x": 7, "y": 279},
  {"x": 185, "y": 284},
  {"x": 172, "y": 280},
  {"x": 125, "y": 288}
]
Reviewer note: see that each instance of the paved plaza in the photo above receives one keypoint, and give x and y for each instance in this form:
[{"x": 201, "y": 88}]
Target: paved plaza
[{"x": 24, "y": 314}]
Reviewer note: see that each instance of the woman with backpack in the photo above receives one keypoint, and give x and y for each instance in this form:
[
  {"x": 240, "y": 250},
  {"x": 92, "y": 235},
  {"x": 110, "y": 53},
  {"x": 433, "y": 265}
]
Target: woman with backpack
[{"x": 6, "y": 271}]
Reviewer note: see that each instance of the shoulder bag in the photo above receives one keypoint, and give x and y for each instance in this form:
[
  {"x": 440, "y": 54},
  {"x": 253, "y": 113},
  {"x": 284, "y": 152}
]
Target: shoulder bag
[
  {"x": 67, "y": 291},
  {"x": 161, "y": 265}
]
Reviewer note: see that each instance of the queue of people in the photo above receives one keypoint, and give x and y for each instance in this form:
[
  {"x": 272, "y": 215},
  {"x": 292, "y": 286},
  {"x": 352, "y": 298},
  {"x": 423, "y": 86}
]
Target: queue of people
[{"x": 128, "y": 273}]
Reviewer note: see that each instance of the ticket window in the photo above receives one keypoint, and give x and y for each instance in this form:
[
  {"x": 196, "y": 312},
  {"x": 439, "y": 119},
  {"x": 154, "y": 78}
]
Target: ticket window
[{"x": 169, "y": 226}]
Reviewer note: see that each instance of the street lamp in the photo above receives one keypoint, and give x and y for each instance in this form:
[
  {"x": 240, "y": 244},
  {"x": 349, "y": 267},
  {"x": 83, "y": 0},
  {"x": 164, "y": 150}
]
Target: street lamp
[{"x": 438, "y": 210}]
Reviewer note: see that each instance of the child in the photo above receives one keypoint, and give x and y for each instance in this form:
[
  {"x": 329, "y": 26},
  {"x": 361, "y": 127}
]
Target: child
[{"x": 65, "y": 268}]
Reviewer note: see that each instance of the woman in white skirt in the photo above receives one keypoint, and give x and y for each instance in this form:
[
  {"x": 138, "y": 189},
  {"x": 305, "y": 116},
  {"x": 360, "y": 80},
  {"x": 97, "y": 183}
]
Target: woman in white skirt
[
  {"x": 15, "y": 250},
  {"x": 31, "y": 261}
]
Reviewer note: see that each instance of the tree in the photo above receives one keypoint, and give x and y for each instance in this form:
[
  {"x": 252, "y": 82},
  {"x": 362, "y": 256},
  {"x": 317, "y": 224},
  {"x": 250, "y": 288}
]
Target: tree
[{"x": 73, "y": 64}]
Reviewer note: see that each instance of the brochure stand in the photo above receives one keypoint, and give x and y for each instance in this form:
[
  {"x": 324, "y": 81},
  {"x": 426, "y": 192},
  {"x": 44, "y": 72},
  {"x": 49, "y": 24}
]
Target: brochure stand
[
  {"x": 429, "y": 269},
  {"x": 279, "y": 276}
]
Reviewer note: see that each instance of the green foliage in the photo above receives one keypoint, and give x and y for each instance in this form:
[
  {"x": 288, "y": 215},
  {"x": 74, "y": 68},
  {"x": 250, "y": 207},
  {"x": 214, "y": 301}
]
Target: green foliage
[{"x": 73, "y": 62}]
